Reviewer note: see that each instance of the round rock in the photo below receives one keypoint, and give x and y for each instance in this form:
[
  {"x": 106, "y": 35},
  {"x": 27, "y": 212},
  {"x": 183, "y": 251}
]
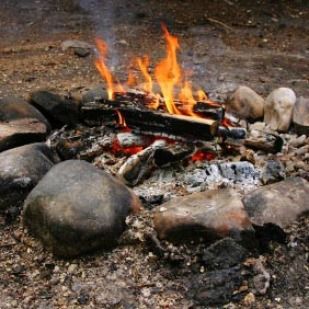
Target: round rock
[
  {"x": 279, "y": 109},
  {"x": 245, "y": 103},
  {"x": 20, "y": 170},
  {"x": 12, "y": 108},
  {"x": 77, "y": 208}
]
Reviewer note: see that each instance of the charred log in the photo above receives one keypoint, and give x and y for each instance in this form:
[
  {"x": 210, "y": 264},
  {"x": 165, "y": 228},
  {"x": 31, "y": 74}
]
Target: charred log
[{"x": 270, "y": 143}]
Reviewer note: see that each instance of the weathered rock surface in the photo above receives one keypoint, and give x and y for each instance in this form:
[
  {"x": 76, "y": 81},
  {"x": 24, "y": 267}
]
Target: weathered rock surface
[
  {"x": 20, "y": 170},
  {"x": 20, "y": 132},
  {"x": 212, "y": 214},
  {"x": 280, "y": 203},
  {"x": 245, "y": 103},
  {"x": 57, "y": 109},
  {"x": 301, "y": 116},
  {"x": 12, "y": 108},
  {"x": 77, "y": 208},
  {"x": 278, "y": 109},
  {"x": 223, "y": 254}
]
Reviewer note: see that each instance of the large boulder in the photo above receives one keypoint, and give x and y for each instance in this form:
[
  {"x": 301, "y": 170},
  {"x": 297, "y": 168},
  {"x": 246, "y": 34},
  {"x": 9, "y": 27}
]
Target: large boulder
[
  {"x": 12, "y": 108},
  {"x": 20, "y": 170},
  {"x": 77, "y": 208},
  {"x": 59, "y": 110},
  {"x": 212, "y": 214},
  {"x": 245, "y": 103},
  {"x": 278, "y": 110},
  {"x": 279, "y": 203}
]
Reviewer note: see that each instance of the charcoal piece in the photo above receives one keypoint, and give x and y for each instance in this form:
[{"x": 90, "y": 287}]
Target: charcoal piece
[
  {"x": 234, "y": 133},
  {"x": 213, "y": 111},
  {"x": 273, "y": 171},
  {"x": 270, "y": 143},
  {"x": 223, "y": 254},
  {"x": 216, "y": 287},
  {"x": 172, "y": 153}
]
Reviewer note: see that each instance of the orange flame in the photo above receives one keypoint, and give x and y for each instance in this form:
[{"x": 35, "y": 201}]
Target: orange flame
[
  {"x": 102, "y": 68},
  {"x": 143, "y": 64},
  {"x": 186, "y": 97},
  {"x": 201, "y": 96},
  {"x": 168, "y": 72}
]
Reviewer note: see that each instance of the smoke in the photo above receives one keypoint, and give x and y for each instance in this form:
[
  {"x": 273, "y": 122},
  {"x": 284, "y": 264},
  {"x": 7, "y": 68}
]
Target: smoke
[{"x": 102, "y": 14}]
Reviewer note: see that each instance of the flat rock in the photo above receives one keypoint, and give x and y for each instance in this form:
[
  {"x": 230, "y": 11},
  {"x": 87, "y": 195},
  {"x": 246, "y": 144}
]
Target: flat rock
[
  {"x": 58, "y": 110},
  {"x": 212, "y": 214},
  {"x": 12, "y": 108},
  {"x": 278, "y": 109},
  {"x": 77, "y": 208},
  {"x": 20, "y": 132},
  {"x": 20, "y": 170},
  {"x": 301, "y": 116},
  {"x": 245, "y": 103},
  {"x": 279, "y": 204}
]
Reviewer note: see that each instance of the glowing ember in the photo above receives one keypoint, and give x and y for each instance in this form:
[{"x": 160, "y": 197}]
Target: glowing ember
[{"x": 201, "y": 155}]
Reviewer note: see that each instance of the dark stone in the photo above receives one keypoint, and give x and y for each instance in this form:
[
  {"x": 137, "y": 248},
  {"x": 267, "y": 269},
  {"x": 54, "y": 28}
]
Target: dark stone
[
  {"x": 81, "y": 52},
  {"x": 223, "y": 254},
  {"x": 12, "y": 108},
  {"x": 273, "y": 171},
  {"x": 57, "y": 109},
  {"x": 97, "y": 93},
  {"x": 216, "y": 287},
  {"x": 20, "y": 132},
  {"x": 77, "y": 208},
  {"x": 280, "y": 203},
  {"x": 20, "y": 170},
  {"x": 213, "y": 214}
]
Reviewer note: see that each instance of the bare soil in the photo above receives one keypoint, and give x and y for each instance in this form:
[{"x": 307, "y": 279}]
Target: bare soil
[{"x": 263, "y": 44}]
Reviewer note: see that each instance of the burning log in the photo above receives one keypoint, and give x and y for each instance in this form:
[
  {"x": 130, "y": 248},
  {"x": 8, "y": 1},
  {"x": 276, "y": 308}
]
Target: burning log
[{"x": 146, "y": 121}]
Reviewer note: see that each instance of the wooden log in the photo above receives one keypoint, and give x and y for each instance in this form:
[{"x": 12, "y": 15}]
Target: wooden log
[
  {"x": 270, "y": 143},
  {"x": 146, "y": 121}
]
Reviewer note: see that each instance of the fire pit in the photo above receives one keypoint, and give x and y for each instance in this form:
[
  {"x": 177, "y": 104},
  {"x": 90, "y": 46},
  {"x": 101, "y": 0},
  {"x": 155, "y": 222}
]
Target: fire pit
[{"x": 148, "y": 190}]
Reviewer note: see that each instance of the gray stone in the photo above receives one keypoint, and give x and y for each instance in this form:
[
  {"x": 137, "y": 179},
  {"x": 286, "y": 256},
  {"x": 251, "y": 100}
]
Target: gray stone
[
  {"x": 212, "y": 214},
  {"x": 20, "y": 170},
  {"x": 245, "y": 103},
  {"x": 278, "y": 110},
  {"x": 279, "y": 204},
  {"x": 301, "y": 116},
  {"x": 77, "y": 208},
  {"x": 12, "y": 108},
  {"x": 20, "y": 132},
  {"x": 57, "y": 109}
]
